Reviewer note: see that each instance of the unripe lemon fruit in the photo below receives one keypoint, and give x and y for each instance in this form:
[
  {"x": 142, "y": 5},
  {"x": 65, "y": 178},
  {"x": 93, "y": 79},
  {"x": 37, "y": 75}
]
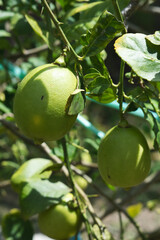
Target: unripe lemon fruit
[
  {"x": 60, "y": 221},
  {"x": 40, "y": 103},
  {"x": 124, "y": 157},
  {"x": 82, "y": 182}
]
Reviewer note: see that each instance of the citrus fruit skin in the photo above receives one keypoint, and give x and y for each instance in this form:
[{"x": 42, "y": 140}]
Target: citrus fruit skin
[
  {"x": 40, "y": 101},
  {"x": 82, "y": 182},
  {"x": 124, "y": 157},
  {"x": 60, "y": 221}
]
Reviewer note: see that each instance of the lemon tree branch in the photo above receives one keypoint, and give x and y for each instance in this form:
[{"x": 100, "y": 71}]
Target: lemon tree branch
[{"x": 60, "y": 30}]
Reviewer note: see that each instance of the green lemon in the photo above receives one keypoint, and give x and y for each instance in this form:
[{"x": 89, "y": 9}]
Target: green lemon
[
  {"x": 40, "y": 102},
  {"x": 82, "y": 182},
  {"x": 124, "y": 157},
  {"x": 60, "y": 221}
]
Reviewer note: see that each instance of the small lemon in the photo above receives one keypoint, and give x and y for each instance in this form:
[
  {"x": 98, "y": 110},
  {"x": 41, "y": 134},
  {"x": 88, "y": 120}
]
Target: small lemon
[{"x": 60, "y": 221}]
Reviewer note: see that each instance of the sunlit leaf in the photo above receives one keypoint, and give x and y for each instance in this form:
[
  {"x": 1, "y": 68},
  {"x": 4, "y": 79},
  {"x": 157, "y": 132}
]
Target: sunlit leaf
[
  {"x": 88, "y": 15},
  {"x": 29, "y": 169},
  {"x": 4, "y": 108},
  {"x": 134, "y": 210},
  {"x": 140, "y": 54},
  {"x": 4, "y": 15},
  {"x": 91, "y": 9},
  {"x": 35, "y": 26},
  {"x": 4, "y": 33},
  {"x": 38, "y": 194},
  {"x": 154, "y": 38}
]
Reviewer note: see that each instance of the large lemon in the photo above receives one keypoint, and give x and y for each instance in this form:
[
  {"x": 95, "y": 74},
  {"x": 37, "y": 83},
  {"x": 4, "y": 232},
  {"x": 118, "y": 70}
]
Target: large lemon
[
  {"x": 124, "y": 157},
  {"x": 60, "y": 221},
  {"x": 40, "y": 103}
]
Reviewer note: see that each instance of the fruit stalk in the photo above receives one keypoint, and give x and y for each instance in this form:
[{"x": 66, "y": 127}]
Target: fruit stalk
[
  {"x": 121, "y": 226},
  {"x": 121, "y": 78},
  {"x": 121, "y": 86},
  {"x": 66, "y": 159}
]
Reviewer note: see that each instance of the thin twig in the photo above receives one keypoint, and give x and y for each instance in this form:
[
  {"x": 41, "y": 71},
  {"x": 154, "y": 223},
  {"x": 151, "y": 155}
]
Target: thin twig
[
  {"x": 5, "y": 183},
  {"x": 130, "y": 9},
  {"x": 80, "y": 204},
  {"x": 6, "y": 115},
  {"x": 152, "y": 9},
  {"x": 62, "y": 34},
  {"x": 28, "y": 52},
  {"x": 121, "y": 226}
]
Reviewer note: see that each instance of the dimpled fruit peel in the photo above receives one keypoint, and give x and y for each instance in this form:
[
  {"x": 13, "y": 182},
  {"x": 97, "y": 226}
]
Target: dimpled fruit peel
[
  {"x": 124, "y": 157},
  {"x": 40, "y": 103}
]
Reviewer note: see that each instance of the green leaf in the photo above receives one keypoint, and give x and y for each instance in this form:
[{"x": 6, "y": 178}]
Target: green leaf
[
  {"x": 134, "y": 210},
  {"x": 99, "y": 64},
  {"x": 138, "y": 94},
  {"x": 155, "y": 126},
  {"x": 154, "y": 38},
  {"x": 65, "y": 3},
  {"x": 50, "y": 34},
  {"x": 155, "y": 167},
  {"x": 93, "y": 9},
  {"x": 76, "y": 102},
  {"x": 4, "y": 33},
  {"x": 4, "y": 15},
  {"x": 98, "y": 85},
  {"x": 4, "y": 108},
  {"x": 30, "y": 169},
  {"x": 106, "y": 28},
  {"x": 152, "y": 204},
  {"x": 157, "y": 85},
  {"x": 140, "y": 54},
  {"x": 7, "y": 169},
  {"x": 38, "y": 194},
  {"x": 58, "y": 151},
  {"x": 88, "y": 16},
  {"x": 15, "y": 227},
  {"x": 107, "y": 96},
  {"x": 35, "y": 26},
  {"x": 89, "y": 77},
  {"x": 89, "y": 7},
  {"x": 98, "y": 81}
]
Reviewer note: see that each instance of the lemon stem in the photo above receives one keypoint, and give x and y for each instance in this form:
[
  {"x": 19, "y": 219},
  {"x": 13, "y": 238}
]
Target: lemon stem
[
  {"x": 66, "y": 159},
  {"x": 121, "y": 77},
  {"x": 121, "y": 226},
  {"x": 121, "y": 87},
  {"x": 60, "y": 30}
]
